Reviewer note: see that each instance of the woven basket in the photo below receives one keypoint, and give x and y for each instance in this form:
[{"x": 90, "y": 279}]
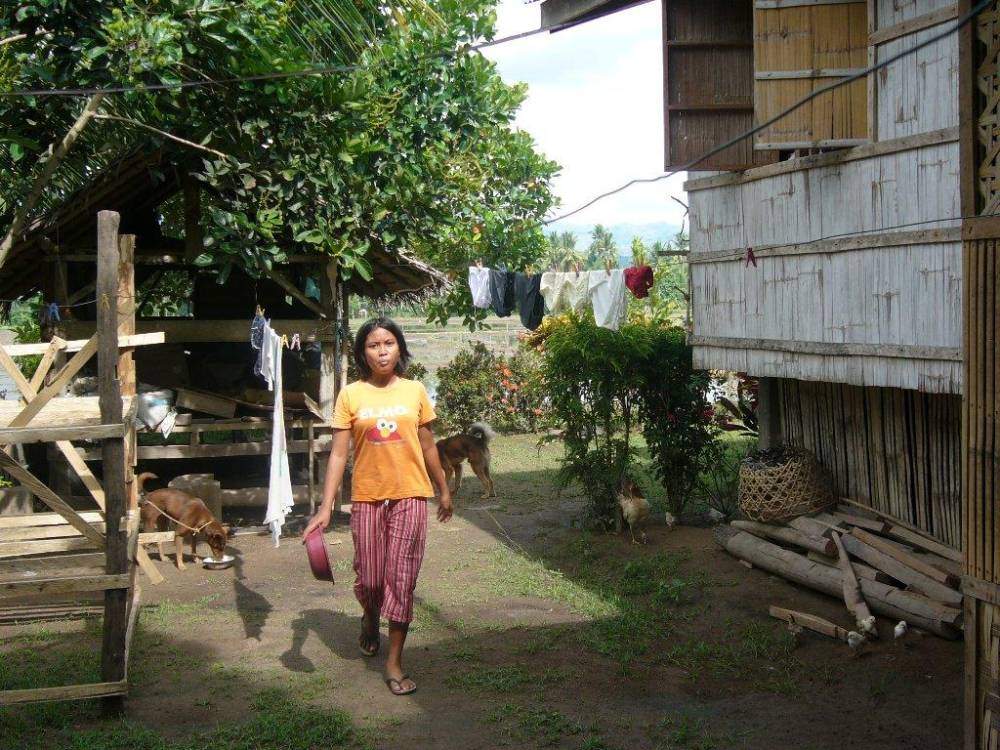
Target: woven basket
[{"x": 791, "y": 487}]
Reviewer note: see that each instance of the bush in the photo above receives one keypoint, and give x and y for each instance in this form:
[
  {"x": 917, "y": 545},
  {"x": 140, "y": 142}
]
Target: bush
[
  {"x": 605, "y": 385},
  {"x": 480, "y": 385}
]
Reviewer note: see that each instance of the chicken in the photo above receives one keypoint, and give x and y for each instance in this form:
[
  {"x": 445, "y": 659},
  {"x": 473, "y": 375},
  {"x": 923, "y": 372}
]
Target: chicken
[
  {"x": 855, "y": 640},
  {"x": 635, "y": 507},
  {"x": 900, "y": 630}
]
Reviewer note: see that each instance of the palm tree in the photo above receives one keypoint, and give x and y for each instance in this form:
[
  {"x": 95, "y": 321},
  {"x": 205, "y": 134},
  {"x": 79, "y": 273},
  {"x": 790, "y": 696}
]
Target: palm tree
[
  {"x": 602, "y": 248},
  {"x": 562, "y": 254}
]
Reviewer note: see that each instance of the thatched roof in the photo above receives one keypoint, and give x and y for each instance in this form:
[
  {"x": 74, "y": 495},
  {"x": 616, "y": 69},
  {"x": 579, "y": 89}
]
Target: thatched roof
[{"x": 135, "y": 186}]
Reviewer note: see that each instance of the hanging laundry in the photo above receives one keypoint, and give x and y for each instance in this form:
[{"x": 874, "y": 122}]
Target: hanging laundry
[
  {"x": 607, "y": 293},
  {"x": 555, "y": 289},
  {"x": 530, "y": 303},
  {"x": 479, "y": 284},
  {"x": 578, "y": 291},
  {"x": 501, "y": 292},
  {"x": 257, "y": 326},
  {"x": 639, "y": 280},
  {"x": 296, "y": 342},
  {"x": 279, "y": 491}
]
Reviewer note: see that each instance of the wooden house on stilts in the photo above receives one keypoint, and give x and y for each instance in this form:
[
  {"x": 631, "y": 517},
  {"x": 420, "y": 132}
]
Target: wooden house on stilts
[{"x": 847, "y": 253}]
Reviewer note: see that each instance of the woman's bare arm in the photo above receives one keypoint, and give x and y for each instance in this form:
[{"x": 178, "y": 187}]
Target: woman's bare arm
[{"x": 433, "y": 463}]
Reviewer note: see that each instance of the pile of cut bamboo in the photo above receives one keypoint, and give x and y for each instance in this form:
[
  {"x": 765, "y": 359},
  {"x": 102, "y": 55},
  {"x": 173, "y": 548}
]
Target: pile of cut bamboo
[{"x": 876, "y": 565}]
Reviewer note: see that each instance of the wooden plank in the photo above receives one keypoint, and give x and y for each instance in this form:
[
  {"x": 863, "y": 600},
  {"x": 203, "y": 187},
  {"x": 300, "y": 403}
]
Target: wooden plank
[
  {"x": 116, "y": 491},
  {"x": 878, "y": 240},
  {"x": 56, "y": 563},
  {"x": 922, "y": 542},
  {"x": 778, "y": 75},
  {"x": 149, "y": 338},
  {"x": 777, "y": 4},
  {"x": 820, "y": 143},
  {"x": 894, "y": 351},
  {"x": 810, "y": 622},
  {"x": 63, "y": 531},
  {"x": 55, "y": 346},
  {"x": 223, "y": 450},
  {"x": 67, "y": 693},
  {"x": 54, "y": 434},
  {"x": 879, "y": 527},
  {"x": 207, "y": 403},
  {"x": 56, "y": 386},
  {"x": 187, "y": 331},
  {"x": 907, "y": 559},
  {"x": 913, "y": 25},
  {"x": 881, "y": 148},
  {"x": 46, "y": 519},
  {"x": 47, "y": 496},
  {"x": 77, "y": 584},
  {"x": 281, "y": 280},
  {"x": 44, "y": 546}
]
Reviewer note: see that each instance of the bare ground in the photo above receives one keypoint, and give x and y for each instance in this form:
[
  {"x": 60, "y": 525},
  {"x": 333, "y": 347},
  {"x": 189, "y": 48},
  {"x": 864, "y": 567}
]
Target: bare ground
[{"x": 529, "y": 633}]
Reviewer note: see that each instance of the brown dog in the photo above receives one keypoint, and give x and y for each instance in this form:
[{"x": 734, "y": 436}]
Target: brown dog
[
  {"x": 190, "y": 516},
  {"x": 474, "y": 445}
]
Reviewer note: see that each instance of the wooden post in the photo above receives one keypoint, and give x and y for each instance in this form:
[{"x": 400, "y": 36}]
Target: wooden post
[
  {"x": 310, "y": 436},
  {"x": 346, "y": 352},
  {"x": 113, "y": 453},
  {"x": 769, "y": 412},
  {"x": 328, "y": 349}
]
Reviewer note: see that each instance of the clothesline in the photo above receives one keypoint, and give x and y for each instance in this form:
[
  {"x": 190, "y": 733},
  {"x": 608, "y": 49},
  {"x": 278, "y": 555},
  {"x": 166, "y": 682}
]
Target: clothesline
[{"x": 555, "y": 292}]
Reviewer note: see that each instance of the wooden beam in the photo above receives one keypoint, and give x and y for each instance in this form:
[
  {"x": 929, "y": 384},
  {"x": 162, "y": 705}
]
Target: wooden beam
[
  {"x": 141, "y": 339},
  {"x": 109, "y": 283},
  {"x": 834, "y": 349},
  {"x": 224, "y": 450},
  {"x": 779, "y": 75},
  {"x": 52, "y": 390},
  {"x": 329, "y": 349},
  {"x": 185, "y": 331},
  {"x": 45, "y": 519},
  {"x": 52, "y": 434},
  {"x": 44, "y": 547},
  {"x": 913, "y": 25},
  {"x": 126, "y": 312},
  {"x": 62, "y": 531},
  {"x": 55, "y": 346},
  {"x": 67, "y": 693},
  {"x": 66, "y": 585},
  {"x": 901, "y": 572},
  {"x": 194, "y": 239},
  {"x": 867, "y": 151},
  {"x": 47, "y": 496},
  {"x": 889, "y": 548},
  {"x": 285, "y": 283}
]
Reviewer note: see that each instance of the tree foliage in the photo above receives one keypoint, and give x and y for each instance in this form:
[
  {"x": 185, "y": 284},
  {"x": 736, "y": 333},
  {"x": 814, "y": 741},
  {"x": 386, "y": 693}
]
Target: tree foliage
[{"x": 413, "y": 150}]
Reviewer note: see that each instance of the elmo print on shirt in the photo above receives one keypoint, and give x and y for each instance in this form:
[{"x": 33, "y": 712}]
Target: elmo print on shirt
[{"x": 384, "y": 431}]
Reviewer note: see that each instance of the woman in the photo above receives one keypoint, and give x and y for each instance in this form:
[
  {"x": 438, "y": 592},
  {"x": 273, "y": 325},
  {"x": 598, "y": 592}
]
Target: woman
[{"x": 395, "y": 457}]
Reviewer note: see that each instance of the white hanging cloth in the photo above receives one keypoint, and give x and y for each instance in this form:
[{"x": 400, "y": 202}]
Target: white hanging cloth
[
  {"x": 607, "y": 293},
  {"x": 279, "y": 491},
  {"x": 479, "y": 284}
]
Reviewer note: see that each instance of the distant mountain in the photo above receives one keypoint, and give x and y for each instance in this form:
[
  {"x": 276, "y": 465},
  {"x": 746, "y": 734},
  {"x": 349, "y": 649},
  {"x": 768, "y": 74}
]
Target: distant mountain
[{"x": 623, "y": 233}]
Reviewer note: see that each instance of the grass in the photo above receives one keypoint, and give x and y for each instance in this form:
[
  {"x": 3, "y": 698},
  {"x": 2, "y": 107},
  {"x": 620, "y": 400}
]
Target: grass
[
  {"x": 504, "y": 679},
  {"x": 539, "y": 726}
]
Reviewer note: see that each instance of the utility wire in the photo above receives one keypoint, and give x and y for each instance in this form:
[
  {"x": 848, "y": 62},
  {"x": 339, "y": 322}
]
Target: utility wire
[{"x": 979, "y": 8}]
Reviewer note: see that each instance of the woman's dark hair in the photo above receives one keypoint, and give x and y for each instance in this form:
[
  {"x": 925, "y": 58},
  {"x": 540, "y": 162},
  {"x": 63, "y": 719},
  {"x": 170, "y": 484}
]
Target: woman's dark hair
[{"x": 362, "y": 337}]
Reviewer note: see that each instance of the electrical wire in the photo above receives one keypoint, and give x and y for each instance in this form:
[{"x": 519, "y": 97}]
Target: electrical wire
[{"x": 968, "y": 17}]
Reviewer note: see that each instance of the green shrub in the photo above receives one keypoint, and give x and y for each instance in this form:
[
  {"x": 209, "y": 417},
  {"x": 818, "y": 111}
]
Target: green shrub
[
  {"x": 480, "y": 385},
  {"x": 607, "y": 385}
]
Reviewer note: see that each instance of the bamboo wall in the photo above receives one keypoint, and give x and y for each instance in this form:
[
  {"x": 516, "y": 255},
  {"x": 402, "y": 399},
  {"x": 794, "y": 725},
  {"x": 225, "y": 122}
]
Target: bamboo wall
[
  {"x": 918, "y": 94},
  {"x": 894, "y": 450},
  {"x": 798, "y": 50},
  {"x": 837, "y": 294}
]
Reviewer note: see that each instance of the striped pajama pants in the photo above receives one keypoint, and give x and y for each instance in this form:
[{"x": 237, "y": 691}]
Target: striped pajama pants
[{"x": 389, "y": 539}]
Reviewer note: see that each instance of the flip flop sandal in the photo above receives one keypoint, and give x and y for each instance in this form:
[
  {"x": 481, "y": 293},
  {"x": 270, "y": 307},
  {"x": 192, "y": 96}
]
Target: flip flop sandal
[
  {"x": 396, "y": 686},
  {"x": 368, "y": 650}
]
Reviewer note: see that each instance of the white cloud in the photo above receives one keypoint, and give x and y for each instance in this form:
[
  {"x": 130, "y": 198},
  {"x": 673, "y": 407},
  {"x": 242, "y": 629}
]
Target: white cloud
[{"x": 595, "y": 105}]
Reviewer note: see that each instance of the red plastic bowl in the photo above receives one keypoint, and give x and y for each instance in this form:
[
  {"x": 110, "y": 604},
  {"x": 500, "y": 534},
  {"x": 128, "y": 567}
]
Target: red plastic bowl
[{"x": 319, "y": 561}]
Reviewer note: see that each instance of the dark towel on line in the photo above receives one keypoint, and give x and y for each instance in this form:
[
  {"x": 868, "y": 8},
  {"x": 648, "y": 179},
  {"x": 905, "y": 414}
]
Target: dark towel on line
[
  {"x": 530, "y": 302},
  {"x": 502, "y": 292}
]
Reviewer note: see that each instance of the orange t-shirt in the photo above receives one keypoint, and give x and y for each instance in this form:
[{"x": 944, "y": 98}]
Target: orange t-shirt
[{"x": 388, "y": 460}]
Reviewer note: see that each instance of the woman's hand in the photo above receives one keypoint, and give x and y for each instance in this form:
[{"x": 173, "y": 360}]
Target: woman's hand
[
  {"x": 320, "y": 521},
  {"x": 445, "y": 508}
]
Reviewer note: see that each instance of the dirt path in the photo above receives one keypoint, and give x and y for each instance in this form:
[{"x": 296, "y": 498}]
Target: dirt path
[{"x": 529, "y": 633}]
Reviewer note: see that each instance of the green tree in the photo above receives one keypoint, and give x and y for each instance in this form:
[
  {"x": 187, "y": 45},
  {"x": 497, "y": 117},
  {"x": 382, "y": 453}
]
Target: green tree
[
  {"x": 562, "y": 254},
  {"x": 602, "y": 248},
  {"x": 413, "y": 149}
]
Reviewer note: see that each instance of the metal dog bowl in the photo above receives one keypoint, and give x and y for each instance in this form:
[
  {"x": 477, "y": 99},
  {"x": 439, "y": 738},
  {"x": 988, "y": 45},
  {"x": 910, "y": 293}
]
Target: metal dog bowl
[{"x": 222, "y": 563}]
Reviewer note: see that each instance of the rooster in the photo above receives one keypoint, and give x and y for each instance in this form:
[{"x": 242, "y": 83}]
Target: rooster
[{"x": 635, "y": 508}]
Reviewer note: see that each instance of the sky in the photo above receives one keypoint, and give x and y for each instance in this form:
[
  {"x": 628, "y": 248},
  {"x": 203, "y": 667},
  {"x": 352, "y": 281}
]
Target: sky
[{"x": 595, "y": 106}]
